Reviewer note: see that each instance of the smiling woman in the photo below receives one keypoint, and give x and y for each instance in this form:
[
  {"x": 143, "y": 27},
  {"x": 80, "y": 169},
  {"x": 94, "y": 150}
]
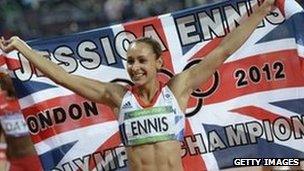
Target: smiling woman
[
  {"x": 151, "y": 114},
  {"x": 144, "y": 60}
]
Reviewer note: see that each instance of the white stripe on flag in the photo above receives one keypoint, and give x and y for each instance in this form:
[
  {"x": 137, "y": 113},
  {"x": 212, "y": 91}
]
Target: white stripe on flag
[
  {"x": 97, "y": 136},
  {"x": 290, "y": 7},
  {"x": 300, "y": 50}
]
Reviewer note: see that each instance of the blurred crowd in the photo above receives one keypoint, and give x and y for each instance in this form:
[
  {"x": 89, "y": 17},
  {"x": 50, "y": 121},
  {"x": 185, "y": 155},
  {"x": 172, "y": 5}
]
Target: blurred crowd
[
  {"x": 30, "y": 19},
  {"x": 36, "y": 18}
]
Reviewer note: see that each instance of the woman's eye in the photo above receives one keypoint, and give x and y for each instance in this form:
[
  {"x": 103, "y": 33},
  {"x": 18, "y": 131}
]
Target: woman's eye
[
  {"x": 130, "y": 62},
  {"x": 142, "y": 61}
]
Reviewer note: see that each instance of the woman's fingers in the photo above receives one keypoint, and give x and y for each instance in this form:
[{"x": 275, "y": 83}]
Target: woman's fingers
[
  {"x": 9, "y": 48},
  {"x": 270, "y": 2},
  {"x": 9, "y": 41},
  {"x": 2, "y": 43},
  {"x": 6, "y": 45},
  {"x": 11, "y": 44}
]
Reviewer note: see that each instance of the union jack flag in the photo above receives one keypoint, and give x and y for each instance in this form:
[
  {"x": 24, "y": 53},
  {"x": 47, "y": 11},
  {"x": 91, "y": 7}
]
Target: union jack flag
[{"x": 250, "y": 108}]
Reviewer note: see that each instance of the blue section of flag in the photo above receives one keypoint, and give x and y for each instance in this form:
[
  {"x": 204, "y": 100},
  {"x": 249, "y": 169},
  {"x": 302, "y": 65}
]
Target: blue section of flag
[
  {"x": 295, "y": 105},
  {"x": 262, "y": 149},
  {"x": 282, "y": 31},
  {"x": 299, "y": 25},
  {"x": 186, "y": 49},
  {"x": 73, "y": 41},
  {"x": 54, "y": 156},
  {"x": 180, "y": 135},
  {"x": 177, "y": 118},
  {"x": 24, "y": 89},
  {"x": 288, "y": 30}
]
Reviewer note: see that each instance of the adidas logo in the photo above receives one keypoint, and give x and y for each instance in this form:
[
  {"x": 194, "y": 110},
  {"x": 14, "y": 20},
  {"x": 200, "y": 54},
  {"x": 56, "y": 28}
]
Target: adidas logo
[{"x": 127, "y": 105}]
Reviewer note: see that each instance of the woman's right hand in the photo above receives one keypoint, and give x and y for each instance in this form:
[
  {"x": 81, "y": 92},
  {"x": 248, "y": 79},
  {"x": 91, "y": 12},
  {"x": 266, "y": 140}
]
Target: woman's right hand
[
  {"x": 14, "y": 43},
  {"x": 269, "y": 4},
  {"x": 107, "y": 93}
]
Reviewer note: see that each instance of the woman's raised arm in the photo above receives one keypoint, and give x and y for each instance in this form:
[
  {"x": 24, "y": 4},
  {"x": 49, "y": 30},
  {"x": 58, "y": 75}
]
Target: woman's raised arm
[
  {"x": 189, "y": 80},
  {"x": 107, "y": 93}
]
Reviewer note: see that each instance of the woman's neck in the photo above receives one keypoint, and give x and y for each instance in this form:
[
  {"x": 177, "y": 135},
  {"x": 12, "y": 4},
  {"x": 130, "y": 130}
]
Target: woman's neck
[{"x": 148, "y": 91}]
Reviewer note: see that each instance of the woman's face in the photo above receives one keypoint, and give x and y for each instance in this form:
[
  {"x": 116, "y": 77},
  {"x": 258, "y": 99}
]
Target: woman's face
[{"x": 142, "y": 64}]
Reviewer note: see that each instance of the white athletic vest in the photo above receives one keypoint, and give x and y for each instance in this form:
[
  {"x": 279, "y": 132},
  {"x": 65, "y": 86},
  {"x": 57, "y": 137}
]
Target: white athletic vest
[
  {"x": 161, "y": 122},
  {"x": 12, "y": 120}
]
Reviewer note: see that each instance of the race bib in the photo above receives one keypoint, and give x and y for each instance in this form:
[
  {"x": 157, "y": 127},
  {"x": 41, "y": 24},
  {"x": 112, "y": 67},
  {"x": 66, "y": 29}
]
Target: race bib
[
  {"x": 14, "y": 125},
  {"x": 149, "y": 125}
]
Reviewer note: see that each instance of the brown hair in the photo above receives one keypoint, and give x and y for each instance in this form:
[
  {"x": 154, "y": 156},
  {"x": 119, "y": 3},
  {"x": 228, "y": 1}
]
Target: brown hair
[
  {"x": 155, "y": 46},
  {"x": 6, "y": 84}
]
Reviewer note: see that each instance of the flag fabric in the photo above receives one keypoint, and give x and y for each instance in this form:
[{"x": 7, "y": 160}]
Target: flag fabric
[
  {"x": 252, "y": 107},
  {"x": 288, "y": 7}
]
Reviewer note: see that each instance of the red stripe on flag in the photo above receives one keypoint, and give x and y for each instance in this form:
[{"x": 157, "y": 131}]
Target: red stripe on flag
[
  {"x": 302, "y": 65},
  {"x": 2, "y": 60},
  {"x": 13, "y": 64},
  {"x": 112, "y": 142},
  {"x": 257, "y": 113},
  {"x": 262, "y": 114},
  {"x": 63, "y": 107},
  {"x": 192, "y": 162},
  {"x": 276, "y": 70},
  {"x": 207, "y": 48},
  {"x": 281, "y": 5}
]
